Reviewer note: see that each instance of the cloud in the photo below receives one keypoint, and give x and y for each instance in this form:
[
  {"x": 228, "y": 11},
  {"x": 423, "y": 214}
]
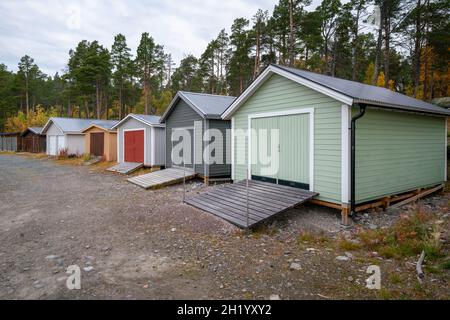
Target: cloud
[{"x": 46, "y": 30}]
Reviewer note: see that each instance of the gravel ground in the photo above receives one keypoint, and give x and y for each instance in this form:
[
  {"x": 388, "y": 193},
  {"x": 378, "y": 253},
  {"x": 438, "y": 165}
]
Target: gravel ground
[{"x": 136, "y": 244}]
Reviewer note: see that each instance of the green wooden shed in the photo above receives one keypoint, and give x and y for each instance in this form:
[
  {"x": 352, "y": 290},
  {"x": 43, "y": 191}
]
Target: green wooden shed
[{"x": 397, "y": 143}]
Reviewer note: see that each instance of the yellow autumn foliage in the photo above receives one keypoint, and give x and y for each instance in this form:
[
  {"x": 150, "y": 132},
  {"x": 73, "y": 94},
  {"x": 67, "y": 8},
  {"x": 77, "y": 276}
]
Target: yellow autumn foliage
[{"x": 35, "y": 118}]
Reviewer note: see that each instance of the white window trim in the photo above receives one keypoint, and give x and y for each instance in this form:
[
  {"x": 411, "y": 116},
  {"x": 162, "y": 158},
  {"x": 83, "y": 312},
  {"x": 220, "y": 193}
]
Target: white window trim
[
  {"x": 193, "y": 146},
  {"x": 285, "y": 113},
  {"x": 145, "y": 142},
  {"x": 232, "y": 147},
  {"x": 345, "y": 153},
  {"x": 153, "y": 146}
]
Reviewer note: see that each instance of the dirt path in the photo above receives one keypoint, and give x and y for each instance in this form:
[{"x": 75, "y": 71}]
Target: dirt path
[{"x": 137, "y": 244}]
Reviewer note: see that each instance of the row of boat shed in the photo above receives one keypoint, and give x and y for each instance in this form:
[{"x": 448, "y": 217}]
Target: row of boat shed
[{"x": 348, "y": 143}]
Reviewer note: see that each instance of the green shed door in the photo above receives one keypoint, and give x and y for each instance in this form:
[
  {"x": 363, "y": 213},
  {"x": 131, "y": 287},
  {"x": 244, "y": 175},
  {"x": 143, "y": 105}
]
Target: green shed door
[
  {"x": 292, "y": 163},
  {"x": 261, "y": 145},
  {"x": 294, "y": 150}
]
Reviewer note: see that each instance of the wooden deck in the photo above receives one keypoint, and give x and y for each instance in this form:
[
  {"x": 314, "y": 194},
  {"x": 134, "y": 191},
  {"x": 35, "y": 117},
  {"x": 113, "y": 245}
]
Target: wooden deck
[
  {"x": 126, "y": 167},
  {"x": 162, "y": 178},
  {"x": 265, "y": 200}
]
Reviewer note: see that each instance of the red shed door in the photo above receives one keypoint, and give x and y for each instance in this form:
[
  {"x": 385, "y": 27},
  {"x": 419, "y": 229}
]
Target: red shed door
[{"x": 134, "y": 146}]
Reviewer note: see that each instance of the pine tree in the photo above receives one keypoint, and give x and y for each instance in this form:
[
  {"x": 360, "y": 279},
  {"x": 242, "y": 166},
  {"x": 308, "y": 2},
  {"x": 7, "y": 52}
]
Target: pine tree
[
  {"x": 121, "y": 61},
  {"x": 150, "y": 67}
]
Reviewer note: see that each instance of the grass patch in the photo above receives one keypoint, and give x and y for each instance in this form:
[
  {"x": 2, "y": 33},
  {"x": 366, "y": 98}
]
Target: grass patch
[
  {"x": 305, "y": 237},
  {"x": 261, "y": 230},
  {"x": 348, "y": 245},
  {"x": 395, "y": 278},
  {"x": 445, "y": 265},
  {"x": 86, "y": 156},
  {"x": 384, "y": 294},
  {"x": 407, "y": 237}
]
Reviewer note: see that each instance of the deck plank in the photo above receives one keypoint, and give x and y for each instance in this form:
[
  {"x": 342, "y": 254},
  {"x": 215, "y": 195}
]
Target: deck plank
[
  {"x": 125, "y": 167},
  {"x": 255, "y": 199},
  {"x": 162, "y": 178},
  {"x": 265, "y": 201}
]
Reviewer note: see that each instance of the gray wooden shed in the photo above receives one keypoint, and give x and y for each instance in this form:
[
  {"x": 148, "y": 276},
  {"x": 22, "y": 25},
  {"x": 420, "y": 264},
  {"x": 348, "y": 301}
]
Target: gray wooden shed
[
  {"x": 141, "y": 139},
  {"x": 10, "y": 141},
  {"x": 197, "y": 113}
]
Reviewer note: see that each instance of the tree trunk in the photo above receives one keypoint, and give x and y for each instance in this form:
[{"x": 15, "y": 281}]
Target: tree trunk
[
  {"x": 120, "y": 100},
  {"x": 26, "y": 95},
  {"x": 425, "y": 75},
  {"x": 431, "y": 82},
  {"x": 333, "y": 61},
  {"x": 145, "y": 98},
  {"x": 291, "y": 34},
  {"x": 257, "y": 54},
  {"x": 86, "y": 109},
  {"x": 377, "y": 57},
  {"x": 417, "y": 48},
  {"x": 387, "y": 35},
  {"x": 69, "y": 108},
  {"x": 241, "y": 85},
  {"x": 326, "y": 55},
  {"x": 355, "y": 41},
  {"x": 97, "y": 98}
]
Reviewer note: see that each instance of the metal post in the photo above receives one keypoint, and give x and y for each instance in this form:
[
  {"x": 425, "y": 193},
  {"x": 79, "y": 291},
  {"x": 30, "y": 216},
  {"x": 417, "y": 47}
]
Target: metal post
[{"x": 247, "y": 198}]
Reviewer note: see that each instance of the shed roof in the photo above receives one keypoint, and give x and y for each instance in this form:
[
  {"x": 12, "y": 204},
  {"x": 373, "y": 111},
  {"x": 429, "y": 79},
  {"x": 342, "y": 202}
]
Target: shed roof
[
  {"x": 74, "y": 125},
  {"x": 208, "y": 106},
  {"x": 150, "y": 120},
  {"x": 35, "y": 130},
  {"x": 346, "y": 91},
  {"x": 9, "y": 134}
]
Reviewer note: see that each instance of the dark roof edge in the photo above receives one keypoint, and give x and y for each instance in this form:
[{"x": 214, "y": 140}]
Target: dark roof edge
[{"x": 316, "y": 82}]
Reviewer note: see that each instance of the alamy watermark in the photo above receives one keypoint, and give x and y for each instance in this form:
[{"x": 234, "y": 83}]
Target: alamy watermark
[
  {"x": 74, "y": 279},
  {"x": 213, "y": 146}
]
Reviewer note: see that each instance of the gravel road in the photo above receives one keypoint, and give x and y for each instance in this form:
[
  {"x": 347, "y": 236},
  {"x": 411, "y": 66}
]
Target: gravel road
[{"x": 132, "y": 243}]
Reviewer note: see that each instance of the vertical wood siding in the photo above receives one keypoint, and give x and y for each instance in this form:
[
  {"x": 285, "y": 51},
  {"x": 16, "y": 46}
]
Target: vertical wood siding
[
  {"x": 160, "y": 146},
  {"x": 397, "y": 152},
  {"x": 224, "y": 169},
  {"x": 75, "y": 144},
  {"x": 181, "y": 116},
  {"x": 279, "y": 93}
]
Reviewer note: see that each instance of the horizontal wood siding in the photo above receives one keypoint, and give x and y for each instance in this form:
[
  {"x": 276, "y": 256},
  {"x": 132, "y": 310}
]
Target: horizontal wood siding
[
  {"x": 397, "y": 152},
  {"x": 279, "y": 93},
  {"x": 221, "y": 170},
  {"x": 181, "y": 116}
]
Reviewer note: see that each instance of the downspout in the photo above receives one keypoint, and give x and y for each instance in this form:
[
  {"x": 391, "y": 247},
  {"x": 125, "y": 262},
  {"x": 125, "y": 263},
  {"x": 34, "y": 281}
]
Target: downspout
[{"x": 362, "y": 111}]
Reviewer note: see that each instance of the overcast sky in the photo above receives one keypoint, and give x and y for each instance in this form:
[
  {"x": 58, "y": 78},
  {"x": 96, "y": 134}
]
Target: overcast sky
[{"x": 47, "y": 29}]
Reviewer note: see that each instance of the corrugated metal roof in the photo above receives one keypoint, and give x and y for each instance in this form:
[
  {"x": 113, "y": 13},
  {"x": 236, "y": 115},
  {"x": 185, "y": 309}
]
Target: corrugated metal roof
[
  {"x": 211, "y": 105},
  {"x": 78, "y": 125},
  {"x": 148, "y": 118},
  {"x": 35, "y": 130},
  {"x": 364, "y": 93}
]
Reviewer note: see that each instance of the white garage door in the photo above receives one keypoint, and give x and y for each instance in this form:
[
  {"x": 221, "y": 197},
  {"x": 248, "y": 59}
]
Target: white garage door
[
  {"x": 55, "y": 144},
  {"x": 52, "y": 145},
  {"x": 61, "y": 143}
]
